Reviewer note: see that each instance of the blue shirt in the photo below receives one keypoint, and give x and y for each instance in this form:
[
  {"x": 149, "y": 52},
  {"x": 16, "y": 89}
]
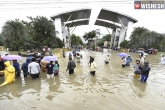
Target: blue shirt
[
  {"x": 56, "y": 67},
  {"x": 16, "y": 66}
]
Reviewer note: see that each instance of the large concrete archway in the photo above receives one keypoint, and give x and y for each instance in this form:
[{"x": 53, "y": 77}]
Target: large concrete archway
[{"x": 106, "y": 18}]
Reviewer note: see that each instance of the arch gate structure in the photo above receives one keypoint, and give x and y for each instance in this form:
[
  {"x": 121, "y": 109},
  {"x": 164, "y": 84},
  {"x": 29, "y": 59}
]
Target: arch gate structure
[{"x": 120, "y": 24}]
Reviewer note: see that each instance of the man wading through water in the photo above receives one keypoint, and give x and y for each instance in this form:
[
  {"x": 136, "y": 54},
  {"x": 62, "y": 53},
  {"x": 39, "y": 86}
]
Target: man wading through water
[
  {"x": 34, "y": 69},
  {"x": 71, "y": 65}
]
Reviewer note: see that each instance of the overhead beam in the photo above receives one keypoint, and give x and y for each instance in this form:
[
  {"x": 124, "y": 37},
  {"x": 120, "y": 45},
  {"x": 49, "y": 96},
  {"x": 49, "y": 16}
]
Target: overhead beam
[
  {"x": 121, "y": 22},
  {"x": 70, "y": 23},
  {"x": 66, "y": 22},
  {"x": 73, "y": 29},
  {"x": 107, "y": 30},
  {"x": 115, "y": 26}
]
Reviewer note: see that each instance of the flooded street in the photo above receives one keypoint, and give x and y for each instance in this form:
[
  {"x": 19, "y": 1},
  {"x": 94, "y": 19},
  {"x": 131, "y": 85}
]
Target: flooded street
[{"x": 112, "y": 88}]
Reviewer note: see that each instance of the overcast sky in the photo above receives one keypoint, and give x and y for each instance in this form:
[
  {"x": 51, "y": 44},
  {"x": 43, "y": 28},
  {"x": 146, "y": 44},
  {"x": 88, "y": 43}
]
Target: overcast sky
[{"x": 13, "y": 9}]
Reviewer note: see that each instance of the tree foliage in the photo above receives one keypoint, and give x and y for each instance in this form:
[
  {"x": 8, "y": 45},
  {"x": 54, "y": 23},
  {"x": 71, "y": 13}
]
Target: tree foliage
[
  {"x": 13, "y": 33},
  {"x": 90, "y": 35},
  {"x": 125, "y": 44},
  {"x": 138, "y": 31},
  {"x": 144, "y": 38},
  {"x": 76, "y": 40},
  {"x": 100, "y": 42},
  {"x": 36, "y": 33}
]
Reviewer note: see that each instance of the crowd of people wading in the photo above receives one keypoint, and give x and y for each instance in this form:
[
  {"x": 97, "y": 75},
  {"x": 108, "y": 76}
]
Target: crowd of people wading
[{"x": 34, "y": 65}]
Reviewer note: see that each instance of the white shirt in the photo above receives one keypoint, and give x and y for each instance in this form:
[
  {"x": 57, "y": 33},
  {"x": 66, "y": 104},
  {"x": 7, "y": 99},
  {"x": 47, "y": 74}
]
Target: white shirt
[
  {"x": 49, "y": 49},
  {"x": 92, "y": 66},
  {"x": 107, "y": 59},
  {"x": 33, "y": 68},
  {"x": 124, "y": 61},
  {"x": 142, "y": 60},
  {"x": 39, "y": 54},
  {"x": 162, "y": 60},
  {"x": 43, "y": 49}
]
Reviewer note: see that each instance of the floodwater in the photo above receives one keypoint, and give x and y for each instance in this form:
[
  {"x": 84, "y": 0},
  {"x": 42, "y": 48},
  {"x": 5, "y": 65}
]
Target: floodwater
[{"x": 112, "y": 88}]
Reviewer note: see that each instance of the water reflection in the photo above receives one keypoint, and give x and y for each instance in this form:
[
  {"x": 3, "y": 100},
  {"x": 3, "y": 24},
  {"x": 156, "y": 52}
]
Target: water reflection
[
  {"x": 139, "y": 88},
  {"x": 111, "y": 87}
]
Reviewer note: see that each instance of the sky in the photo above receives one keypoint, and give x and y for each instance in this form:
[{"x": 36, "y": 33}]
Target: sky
[{"x": 19, "y": 9}]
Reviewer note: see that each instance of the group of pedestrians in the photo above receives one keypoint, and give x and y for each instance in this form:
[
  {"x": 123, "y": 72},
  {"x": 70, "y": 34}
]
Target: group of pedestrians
[
  {"x": 126, "y": 61},
  {"x": 142, "y": 69}
]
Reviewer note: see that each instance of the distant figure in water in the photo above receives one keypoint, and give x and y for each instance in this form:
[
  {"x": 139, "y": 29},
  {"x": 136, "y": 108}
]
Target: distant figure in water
[
  {"x": 123, "y": 62},
  {"x": 128, "y": 60},
  {"x": 78, "y": 58},
  {"x": 142, "y": 57},
  {"x": 145, "y": 69},
  {"x": 71, "y": 66},
  {"x": 162, "y": 60},
  {"x": 92, "y": 66},
  {"x": 137, "y": 71},
  {"x": 107, "y": 58},
  {"x": 63, "y": 54}
]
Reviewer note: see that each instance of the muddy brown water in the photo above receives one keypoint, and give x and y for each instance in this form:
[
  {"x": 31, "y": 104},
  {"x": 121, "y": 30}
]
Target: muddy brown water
[{"x": 112, "y": 88}]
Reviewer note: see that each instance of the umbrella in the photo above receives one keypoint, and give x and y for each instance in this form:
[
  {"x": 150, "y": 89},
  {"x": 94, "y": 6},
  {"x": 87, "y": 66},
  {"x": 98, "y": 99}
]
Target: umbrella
[
  {"x": 122, "y": 55},
  {"x": 12, "y": 57},
  {"x": 50, "y": 58}
]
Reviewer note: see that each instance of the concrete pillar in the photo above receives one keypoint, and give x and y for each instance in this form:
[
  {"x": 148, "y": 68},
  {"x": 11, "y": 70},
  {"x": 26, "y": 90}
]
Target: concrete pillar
[
  {"x": 129, "y": 30},
  {"x": 58, "y": 28},
  {"x": 65, "y": 37},
  {"x": 112, "y": 38},
  {"x": 117, "y": 33},
  {"x": 122, "y": 35},
  {"x": 69, "y": 38}
]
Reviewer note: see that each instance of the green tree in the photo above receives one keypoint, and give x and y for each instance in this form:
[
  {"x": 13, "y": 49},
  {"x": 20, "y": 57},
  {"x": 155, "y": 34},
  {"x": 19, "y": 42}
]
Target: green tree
[
  {"x": 125, "y": 44},
  {"x": 76, "y": 40},
  {"x": 41, "y": 32},
  {"x": 137, "y": 32},
  {"x": 149, "y": 39},
  {"x": 100, "y": 42},
  {"x": 107, "y": 37},
  {"x": 13, "y": 33},
  {"x": 90, "y": 35}
]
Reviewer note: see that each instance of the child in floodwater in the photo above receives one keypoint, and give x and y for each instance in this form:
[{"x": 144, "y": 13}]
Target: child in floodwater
[
  {"x": 137, "y": 71},
  {"x": 56, "y": 68}
]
